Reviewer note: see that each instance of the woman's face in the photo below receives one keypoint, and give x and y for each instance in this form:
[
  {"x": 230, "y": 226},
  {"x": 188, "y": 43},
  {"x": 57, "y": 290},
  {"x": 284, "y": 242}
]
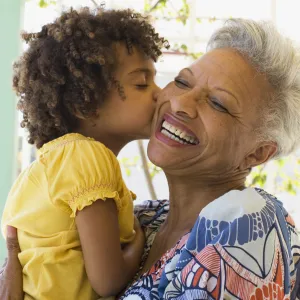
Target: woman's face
[
  {"x": 213, "y": 107},
  {"x": 130, "y": 118}
]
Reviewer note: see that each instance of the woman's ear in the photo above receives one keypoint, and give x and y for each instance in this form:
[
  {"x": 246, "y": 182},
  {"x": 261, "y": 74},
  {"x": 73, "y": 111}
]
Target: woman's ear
[{"x": 264, "y": 152}]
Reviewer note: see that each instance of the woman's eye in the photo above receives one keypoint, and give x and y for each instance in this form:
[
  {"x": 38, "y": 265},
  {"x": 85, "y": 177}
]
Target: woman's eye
[
  {"x": 216, "y": 104},
  {"x": 181, "y": 83}
]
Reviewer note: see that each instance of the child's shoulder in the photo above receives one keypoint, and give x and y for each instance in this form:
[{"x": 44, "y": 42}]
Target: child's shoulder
[
  {"x": 75, "y": 144},
  {"x": 74, "y": 157},
  {"x": 75, "y": 152}
]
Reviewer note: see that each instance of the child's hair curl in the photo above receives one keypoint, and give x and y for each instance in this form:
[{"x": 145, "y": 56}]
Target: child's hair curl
[{"x": 68, "y": 67}]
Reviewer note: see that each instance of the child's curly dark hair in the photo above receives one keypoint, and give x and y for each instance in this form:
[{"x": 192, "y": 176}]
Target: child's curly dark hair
[{"x": 69, "y": 65}]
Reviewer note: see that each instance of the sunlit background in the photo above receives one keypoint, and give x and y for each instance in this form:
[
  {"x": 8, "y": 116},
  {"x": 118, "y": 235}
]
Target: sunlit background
[{"x": 187, "y": 24}]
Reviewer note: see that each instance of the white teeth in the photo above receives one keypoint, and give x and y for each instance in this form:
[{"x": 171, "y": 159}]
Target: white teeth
[
  {"x": 167, "y": 129},
  {"x": 172, "y": 129},
  {"x": 171, "y": 136}
]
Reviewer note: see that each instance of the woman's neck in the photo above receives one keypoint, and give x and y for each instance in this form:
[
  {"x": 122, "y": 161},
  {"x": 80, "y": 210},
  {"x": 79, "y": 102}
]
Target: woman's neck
[{"x": 188, "y": 197}]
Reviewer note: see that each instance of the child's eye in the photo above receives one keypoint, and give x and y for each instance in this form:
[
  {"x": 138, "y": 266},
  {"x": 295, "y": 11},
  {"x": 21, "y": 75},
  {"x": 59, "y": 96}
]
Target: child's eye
[{"x": 141, "y": 86}]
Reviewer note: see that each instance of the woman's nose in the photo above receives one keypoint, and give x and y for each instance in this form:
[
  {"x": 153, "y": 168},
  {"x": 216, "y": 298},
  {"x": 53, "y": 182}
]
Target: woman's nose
[{"x": 184, "y": 105}]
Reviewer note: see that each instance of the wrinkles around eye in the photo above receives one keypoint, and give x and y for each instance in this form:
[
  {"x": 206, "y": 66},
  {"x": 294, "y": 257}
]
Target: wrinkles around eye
[{"x": 217, "y": 105}]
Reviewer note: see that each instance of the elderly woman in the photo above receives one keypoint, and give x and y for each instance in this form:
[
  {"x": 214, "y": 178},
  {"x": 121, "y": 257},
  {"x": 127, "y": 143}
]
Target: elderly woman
[{"x": 235, "y": 108}]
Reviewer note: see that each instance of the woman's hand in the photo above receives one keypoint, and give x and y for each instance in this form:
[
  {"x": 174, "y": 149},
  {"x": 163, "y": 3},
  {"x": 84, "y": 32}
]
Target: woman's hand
[{"x": 11, "y": 277}]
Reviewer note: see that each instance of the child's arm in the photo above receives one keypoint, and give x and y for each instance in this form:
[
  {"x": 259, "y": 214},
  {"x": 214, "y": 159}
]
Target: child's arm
[{"x": 109, "y": 269}]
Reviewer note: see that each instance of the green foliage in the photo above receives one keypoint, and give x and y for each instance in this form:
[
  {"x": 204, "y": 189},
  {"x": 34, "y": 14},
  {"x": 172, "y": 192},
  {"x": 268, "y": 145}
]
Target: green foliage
[
  {"x": 258, "y": 177},
  {"x": 130, "y": 163},
  {"x": 44, "y": 3},
  {"x": 135, "y": 162},
  {"x": 178, "y": 11},
  {"x": 281, "y": 175}
]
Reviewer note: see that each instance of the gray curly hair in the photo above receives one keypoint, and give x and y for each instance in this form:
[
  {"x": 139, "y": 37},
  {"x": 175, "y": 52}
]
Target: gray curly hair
[{"x": 274, "y": 55}]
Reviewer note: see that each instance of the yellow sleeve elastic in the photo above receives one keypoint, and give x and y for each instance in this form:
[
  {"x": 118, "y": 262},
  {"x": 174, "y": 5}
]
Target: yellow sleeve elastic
[{"x": 82, "y": 172}]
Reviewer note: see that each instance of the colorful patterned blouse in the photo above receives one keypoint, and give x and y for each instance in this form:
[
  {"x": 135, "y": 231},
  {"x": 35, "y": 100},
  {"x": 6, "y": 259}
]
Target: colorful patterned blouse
[{"x": 248, "y": 249}]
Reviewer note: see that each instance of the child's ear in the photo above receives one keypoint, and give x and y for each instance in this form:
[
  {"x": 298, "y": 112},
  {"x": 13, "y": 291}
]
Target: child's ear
[{"x": 78, "y": 114}]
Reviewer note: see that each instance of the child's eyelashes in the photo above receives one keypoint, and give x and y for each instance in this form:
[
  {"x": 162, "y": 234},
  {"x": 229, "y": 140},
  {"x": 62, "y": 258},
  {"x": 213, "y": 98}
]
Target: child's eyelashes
[{"x": 141, "y": 86}]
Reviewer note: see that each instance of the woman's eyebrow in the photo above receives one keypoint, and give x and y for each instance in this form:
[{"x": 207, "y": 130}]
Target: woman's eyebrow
[
  {"x": 228, "y": 92},
  {"x": 143, "y": 70},
  {"x": 189, "y": 70}
]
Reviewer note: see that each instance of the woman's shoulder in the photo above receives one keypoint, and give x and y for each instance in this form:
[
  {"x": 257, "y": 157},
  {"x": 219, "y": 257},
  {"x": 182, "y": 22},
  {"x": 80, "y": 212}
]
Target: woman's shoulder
[
  {"x": 246, "y": 217},
  {"x": 248, "y": 246},
  {"x": 252, "y": 235},
  {"x": 236, "y": 203}
]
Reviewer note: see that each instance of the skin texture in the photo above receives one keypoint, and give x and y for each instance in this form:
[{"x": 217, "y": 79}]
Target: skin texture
[
  {"x": 200, "y": 100},
  {"x": 11, "y": 277}
]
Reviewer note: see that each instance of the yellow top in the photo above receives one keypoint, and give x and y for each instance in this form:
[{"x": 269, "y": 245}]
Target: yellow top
[{"x": 69, "y": 174}]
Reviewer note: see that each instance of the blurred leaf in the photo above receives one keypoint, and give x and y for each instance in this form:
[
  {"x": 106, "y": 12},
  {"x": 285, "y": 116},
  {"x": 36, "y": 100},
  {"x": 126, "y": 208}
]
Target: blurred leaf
[
  {"x": 43, "y": 3},
  {"x": 184, "y": 47},
  {"x": 196, "y": 55},
  {"x": 259, "y": 180},
  {"x": 280, "y": 162},
  {"x": 147, "y": 6}
]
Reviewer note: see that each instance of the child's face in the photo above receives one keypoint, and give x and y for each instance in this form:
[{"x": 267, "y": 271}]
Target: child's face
[{"x": 130, "y": 118}]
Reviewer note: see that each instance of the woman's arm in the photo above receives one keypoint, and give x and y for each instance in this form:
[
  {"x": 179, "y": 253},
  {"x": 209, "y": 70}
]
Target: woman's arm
[
  {"x": 109, "y": 269},
  {"x": 11, "y": 277}
]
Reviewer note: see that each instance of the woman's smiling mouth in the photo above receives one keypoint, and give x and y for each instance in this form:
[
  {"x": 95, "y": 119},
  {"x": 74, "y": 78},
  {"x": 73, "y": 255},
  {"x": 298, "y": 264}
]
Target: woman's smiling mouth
[{"x": 176, "y": 133}]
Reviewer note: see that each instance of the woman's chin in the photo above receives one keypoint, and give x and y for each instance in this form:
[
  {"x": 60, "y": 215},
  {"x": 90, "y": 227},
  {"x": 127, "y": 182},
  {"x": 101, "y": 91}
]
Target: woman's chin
[{"x": 170, "y": 157}]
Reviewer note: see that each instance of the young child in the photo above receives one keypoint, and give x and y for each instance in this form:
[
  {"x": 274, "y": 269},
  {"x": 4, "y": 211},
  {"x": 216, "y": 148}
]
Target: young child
[{"x": 86, "y": 88}]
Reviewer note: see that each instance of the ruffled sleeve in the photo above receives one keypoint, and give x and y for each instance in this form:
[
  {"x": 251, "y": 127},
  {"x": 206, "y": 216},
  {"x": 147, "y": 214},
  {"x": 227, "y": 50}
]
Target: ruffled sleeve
[{"x": 82, "y": 172}]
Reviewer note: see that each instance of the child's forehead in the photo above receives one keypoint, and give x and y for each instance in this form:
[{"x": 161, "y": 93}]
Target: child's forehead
[{"x": 136, "y": 60}]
